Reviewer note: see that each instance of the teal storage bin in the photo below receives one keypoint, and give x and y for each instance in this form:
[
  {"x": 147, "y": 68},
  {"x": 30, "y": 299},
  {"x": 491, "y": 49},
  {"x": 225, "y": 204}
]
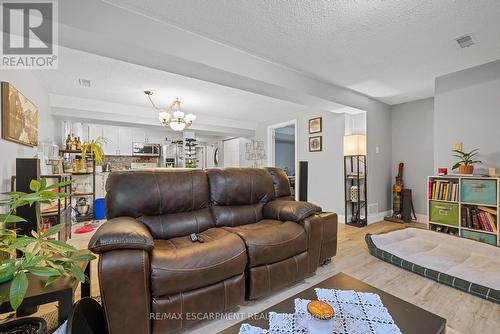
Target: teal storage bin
[
  {"x": 478, "y": 236},
  {"x": 479, "y": 191}
]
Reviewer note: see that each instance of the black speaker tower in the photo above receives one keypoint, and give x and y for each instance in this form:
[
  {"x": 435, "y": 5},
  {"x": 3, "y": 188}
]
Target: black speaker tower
[
  {"x": 303, "y": 180},
  {"x": 27, "y": 169}
]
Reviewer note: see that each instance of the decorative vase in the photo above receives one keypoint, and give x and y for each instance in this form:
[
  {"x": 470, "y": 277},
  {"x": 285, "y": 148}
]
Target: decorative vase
[{"x": 466, "y": 169}]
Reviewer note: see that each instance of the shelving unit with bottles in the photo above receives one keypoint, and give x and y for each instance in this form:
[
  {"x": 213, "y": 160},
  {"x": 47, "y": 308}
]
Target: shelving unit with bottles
[
  {"x": 79, "y": 176},
  {"x": 58, "y": 211},
  {"x": 465, "y": 206}
]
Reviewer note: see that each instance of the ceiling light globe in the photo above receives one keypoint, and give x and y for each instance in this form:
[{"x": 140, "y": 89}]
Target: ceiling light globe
[
  {"x": 164, "y": 116},
  {"x": 190, "y": 117},
  {"x": 177, "y": 126},
  {"x": 178, "y": 114}
]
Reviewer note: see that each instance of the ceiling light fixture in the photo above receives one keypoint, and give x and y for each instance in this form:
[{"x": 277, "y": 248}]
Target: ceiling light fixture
[{"x": 172, "y": 115}]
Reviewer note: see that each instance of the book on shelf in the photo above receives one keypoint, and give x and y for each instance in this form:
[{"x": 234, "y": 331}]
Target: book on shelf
[
  {"x": 443, "y": 190},
  {"x": 479, "y": 218}
]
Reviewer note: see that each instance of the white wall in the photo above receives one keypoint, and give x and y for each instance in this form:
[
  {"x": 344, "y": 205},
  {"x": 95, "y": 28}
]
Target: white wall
[
  {"x": 234, "y": 153},
  {"x": 27, "y": 83},
  {"x": 412, "y": 144},
  {"x": 285, "y": 155},
  {"x": 379, "y": 160},
  {"x": 467, "y": 110},
  {"x": 326, "y": 187}
]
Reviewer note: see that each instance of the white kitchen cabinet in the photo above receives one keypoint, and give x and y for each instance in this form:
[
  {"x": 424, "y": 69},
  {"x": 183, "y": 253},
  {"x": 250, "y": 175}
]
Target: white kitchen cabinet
[
  {"x": 95, "y": 131},
  {"x": 125, "y": 139},
  {"x": 111, "y": 146}
]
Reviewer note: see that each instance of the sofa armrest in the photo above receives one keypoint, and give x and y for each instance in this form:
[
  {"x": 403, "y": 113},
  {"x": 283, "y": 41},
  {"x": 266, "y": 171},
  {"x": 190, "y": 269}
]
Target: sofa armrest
[
  {"x": 121, "y": 233},
  {"x": 289, "y": 210}
]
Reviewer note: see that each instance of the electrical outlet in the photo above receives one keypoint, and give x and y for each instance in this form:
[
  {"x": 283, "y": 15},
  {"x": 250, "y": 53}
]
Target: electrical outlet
[
  {"x": 458, "y": 146},
  {"x": 377, "y": 150}
]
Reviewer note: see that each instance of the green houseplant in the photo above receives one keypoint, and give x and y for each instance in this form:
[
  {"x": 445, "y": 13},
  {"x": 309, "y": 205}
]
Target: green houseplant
[
  {"x": 94, "y": 147},
  {"x": 39, "y": 255},
  {"x": 466, "y": 163}
]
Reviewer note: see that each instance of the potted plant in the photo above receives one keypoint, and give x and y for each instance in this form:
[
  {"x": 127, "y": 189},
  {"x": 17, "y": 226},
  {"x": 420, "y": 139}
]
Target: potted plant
[
  {"x": 466, "y": 163},
  {"x": 37, "y": 254},
  {"x": 94, "y": 147}
]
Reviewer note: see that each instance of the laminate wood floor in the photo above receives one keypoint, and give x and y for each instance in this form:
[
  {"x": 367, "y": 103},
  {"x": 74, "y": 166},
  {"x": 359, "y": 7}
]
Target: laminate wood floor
[{"x": 465, "y": 313}]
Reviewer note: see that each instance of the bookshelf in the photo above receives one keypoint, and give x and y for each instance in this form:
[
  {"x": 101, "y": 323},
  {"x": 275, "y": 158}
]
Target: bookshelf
[{"x": 464, "y": 206}]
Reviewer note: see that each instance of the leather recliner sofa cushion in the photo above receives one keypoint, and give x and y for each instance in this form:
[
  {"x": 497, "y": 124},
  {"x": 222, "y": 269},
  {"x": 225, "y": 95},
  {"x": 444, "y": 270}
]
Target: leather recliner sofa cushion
[
  {"x": 171, "y": 203},
  {"x": 270, "y": 241},
  {"x": 179, "y": 265},
  {"x": 238, "y": 195}
]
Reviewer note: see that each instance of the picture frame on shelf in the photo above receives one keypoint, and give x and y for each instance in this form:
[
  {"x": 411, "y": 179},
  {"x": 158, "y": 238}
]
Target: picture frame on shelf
[
  {"x": 315, "y": 125},
  {"x": 19, "y": 117},
  {"x": 316, "y": 144}
]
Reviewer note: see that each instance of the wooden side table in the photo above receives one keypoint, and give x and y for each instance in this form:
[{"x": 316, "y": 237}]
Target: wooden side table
[{"x": 61, "y": 291}]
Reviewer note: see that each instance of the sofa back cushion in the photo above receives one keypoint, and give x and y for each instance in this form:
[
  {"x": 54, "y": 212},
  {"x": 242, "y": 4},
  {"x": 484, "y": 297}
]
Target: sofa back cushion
[
  {"x": 280, "y": 181},
  {"x": 170, "y": 203},
  {"x": 238, "y": 195}
]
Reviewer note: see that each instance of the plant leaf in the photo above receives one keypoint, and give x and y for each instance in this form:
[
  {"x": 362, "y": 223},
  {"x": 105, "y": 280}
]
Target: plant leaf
[
  {"x": 34, "y": 185},
  {"x": 52, "y": 230},
  {"x": 83, "y": 257},
  {"x": 58, "y": 185},
  {"x": 60, "y": 245},
  {"x": 51, "y": 280},
  {"x": 77, "y": 272},
  {"x": 18, "y": 288},
  {"x": 43, "y": 184},
  {"x": 455, "y": 166},
  {"x": 44, "y": 271},
  {"x": 8, "y": 218}
]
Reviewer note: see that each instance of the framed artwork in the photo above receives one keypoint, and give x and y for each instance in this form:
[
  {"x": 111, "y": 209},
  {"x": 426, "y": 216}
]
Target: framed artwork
[
  {"x": 315, "y": 144},
  {"x": 315, "y": 125},
  {"x": 19, "y": 117}
]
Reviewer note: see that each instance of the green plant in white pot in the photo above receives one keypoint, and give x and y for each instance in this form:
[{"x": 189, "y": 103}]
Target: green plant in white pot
[
  {"x": 40, "y": 255},
  {"x": 466, "y": 163}
]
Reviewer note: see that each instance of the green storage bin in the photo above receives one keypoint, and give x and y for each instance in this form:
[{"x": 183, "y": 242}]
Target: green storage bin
[
  {"x": 478, "y": 236},
  {"x": 444, "y": 213},
  {"x": 479, "y": 191}
]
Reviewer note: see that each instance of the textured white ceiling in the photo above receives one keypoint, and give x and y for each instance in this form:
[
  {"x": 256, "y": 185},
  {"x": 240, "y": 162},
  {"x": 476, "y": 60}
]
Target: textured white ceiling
[
  {"x": 121, "y": 82},
  {"x": 388, "y": 49}
]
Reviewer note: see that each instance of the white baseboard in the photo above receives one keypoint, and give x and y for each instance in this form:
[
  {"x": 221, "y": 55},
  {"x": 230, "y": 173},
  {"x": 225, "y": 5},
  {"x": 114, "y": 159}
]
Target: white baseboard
[
  {"x": 371, "y": 218},
  {"x": 421, "y": 218}
]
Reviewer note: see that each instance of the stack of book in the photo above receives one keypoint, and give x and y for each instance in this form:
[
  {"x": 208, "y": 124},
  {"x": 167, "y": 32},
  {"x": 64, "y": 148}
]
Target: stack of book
[
  {"x": 479, "y": 218},
  {"x": 443, "y": 190}
]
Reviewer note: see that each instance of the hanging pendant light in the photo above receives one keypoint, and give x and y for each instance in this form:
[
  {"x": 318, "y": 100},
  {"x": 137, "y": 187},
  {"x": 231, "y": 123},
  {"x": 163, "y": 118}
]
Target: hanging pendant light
[{"x": 172, "y": 116}]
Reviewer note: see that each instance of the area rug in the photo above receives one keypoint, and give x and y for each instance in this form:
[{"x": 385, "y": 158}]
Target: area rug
[{"x": 467, "y": 265}]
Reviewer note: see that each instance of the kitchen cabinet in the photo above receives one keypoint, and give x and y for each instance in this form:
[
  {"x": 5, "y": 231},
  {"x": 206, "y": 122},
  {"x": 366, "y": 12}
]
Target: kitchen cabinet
[
  {"x": 125, "y": 139},
  {"x": 111, "y": 146},
  {"x": 94, "y": 131}
]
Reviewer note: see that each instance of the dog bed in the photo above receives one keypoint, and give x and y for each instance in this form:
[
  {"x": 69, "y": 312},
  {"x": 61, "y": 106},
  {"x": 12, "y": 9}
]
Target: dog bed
[{"x": 467, "y": 265}]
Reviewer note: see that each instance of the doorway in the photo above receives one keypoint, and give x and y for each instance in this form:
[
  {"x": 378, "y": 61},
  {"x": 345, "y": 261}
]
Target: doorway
[{"x": 283, "y": 150}]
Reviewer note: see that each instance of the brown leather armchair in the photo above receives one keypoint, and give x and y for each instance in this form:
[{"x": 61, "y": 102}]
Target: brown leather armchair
[{"x": 152, "y": 275}]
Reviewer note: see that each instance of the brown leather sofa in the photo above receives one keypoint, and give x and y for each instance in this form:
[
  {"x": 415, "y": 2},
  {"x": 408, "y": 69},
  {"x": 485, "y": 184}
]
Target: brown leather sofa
[
  {"x": 321, "y": 227},
  {"x": 152, "y": 276}
]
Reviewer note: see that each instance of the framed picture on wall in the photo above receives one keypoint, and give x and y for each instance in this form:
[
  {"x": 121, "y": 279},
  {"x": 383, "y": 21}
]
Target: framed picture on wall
[
  {"x": 19, "y": 117},
  {"x": 315, "y": 144},
  {"x": 315, "y": 125}
]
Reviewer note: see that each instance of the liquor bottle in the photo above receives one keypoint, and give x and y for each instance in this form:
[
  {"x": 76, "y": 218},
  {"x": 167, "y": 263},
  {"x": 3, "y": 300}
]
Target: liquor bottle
[
  {"x": 68, "y": 142},
  {"x": 78, "y": 144},
  {"x": 73, "y": 144}
]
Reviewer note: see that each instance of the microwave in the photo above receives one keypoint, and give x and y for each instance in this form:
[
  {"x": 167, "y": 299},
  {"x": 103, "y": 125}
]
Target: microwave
[{"x": 146, "y": 149}]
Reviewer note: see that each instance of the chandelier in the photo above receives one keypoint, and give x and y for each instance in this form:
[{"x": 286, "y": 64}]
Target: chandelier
[{"x": 172, "y": 115}]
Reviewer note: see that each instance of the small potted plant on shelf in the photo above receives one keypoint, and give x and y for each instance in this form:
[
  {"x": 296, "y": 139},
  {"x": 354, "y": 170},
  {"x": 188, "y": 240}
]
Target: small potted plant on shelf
[
  {"x": 466, "y": 163},
  {"x": 38, "y": 254},
  {"x": 94, "y": 147}
]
